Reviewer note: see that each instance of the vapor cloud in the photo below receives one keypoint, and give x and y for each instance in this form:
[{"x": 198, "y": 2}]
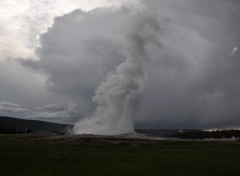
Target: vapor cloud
[{"x": 114, "y": 96}]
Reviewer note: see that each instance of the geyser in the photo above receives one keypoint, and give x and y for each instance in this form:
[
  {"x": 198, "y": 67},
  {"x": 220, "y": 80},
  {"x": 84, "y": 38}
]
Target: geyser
[{"x": 137, "y": 30}]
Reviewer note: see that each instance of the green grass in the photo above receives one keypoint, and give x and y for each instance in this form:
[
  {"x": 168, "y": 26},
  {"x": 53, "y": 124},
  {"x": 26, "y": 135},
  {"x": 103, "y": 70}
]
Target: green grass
[{"x": 167, "y": 158}]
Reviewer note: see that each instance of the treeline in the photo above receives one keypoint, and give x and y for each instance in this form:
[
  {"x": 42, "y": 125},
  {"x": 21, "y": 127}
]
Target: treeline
[
  {"x": 208, "y": 134},
  {"x": 11, "y": 130}
]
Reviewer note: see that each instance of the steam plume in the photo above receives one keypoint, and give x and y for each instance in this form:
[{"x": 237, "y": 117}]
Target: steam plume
[{"x": 114, "y": 96}]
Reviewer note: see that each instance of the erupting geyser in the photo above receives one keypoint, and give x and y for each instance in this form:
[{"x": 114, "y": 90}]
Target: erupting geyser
[{"x": 113, "y": 114}]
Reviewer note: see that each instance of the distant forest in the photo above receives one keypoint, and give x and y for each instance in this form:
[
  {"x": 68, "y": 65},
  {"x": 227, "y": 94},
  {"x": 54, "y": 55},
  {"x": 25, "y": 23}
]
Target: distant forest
[{"x": 12, "y": 130}]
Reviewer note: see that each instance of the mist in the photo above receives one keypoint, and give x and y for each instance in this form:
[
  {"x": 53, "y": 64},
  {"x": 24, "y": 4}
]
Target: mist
[{"x": 114, "y": 96}]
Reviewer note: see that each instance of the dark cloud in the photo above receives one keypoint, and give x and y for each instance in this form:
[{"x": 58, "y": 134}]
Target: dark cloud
[
  {"x": 55, "y": 113},
  {"x": 12, "y": 109},
  {"x": 21, "y": 86},
  {"x": 197, "y": 83},
  {"x": 192, "y": 80}
]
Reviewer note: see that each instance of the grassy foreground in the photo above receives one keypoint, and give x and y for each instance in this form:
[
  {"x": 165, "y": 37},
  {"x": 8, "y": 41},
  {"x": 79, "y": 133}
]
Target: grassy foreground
[{"x": 27, "y": 157}]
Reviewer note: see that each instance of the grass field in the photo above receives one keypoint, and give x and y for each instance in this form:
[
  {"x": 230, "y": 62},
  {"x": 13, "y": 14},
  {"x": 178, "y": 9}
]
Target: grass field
[{"x": 28, "y": 157}]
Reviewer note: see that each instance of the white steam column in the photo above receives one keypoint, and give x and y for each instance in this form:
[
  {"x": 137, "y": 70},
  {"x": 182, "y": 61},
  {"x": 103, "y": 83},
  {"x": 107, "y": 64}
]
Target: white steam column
[{"x": 114, "y": 96}]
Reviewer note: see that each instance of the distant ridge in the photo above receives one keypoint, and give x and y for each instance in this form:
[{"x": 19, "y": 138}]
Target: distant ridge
[
  {"x": 21, "y": 125},
  {"x": 10, "y": 125}
]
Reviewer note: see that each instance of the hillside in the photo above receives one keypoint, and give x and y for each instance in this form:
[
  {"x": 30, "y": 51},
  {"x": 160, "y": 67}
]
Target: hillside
[{"x": 14, "y": 125}]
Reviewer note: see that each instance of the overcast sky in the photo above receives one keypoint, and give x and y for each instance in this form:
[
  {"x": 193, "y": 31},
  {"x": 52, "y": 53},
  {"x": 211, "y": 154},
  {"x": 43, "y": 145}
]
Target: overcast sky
[{"x": 180, "y": 59}]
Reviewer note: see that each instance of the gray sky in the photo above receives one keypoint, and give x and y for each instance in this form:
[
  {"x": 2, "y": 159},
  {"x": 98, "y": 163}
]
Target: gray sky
[{"x": 56, "y": 54}]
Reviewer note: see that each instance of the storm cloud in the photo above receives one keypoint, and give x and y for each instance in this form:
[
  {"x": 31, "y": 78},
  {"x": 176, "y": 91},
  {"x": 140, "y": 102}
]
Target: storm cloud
[{"x": 191, "y": 79}]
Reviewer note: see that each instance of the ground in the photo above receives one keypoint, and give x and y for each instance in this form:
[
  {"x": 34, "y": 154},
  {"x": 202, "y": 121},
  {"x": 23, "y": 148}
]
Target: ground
[{"x": 50, "y": 155}]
